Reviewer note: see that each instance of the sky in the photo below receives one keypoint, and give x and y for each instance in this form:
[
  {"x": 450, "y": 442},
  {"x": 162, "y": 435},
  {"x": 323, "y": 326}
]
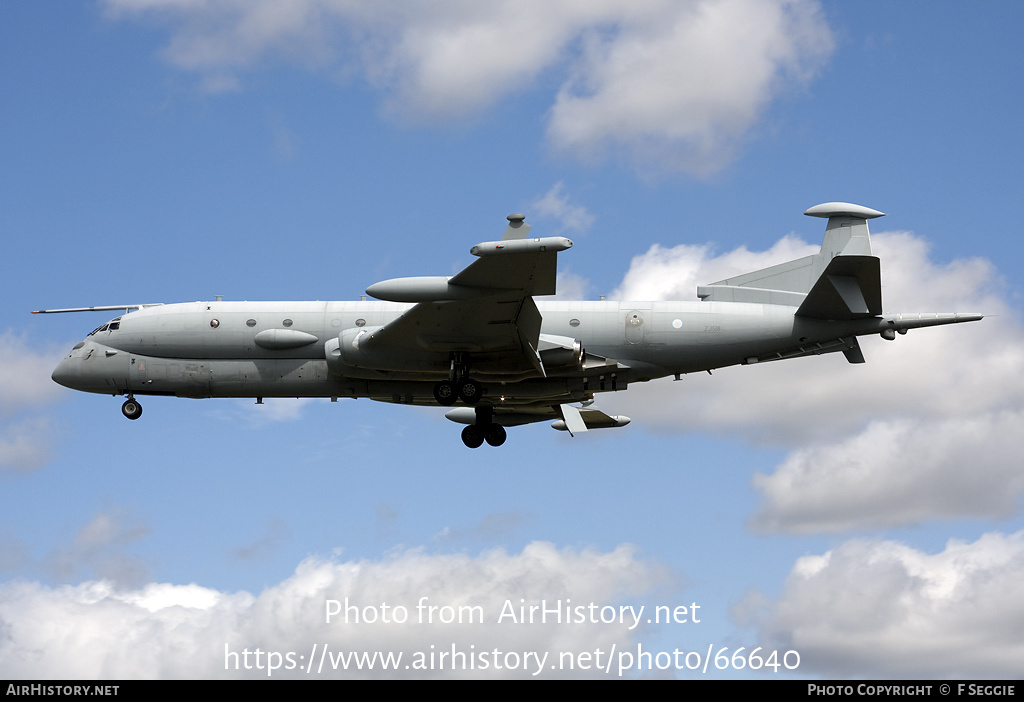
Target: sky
[{"x": 858, "y": 521}]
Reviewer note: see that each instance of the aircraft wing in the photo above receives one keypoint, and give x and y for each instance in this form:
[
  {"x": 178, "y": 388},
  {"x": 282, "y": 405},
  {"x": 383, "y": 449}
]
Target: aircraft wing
[{"x": 486, "y": 310}]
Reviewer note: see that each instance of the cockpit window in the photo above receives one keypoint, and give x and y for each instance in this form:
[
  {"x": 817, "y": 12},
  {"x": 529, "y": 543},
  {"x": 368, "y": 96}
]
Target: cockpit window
[{"x": 112, "y": 325}]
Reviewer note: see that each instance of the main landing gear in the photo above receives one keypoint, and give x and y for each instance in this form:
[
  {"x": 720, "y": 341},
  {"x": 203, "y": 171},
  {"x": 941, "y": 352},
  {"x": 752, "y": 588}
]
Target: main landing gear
[
  {"x": 459, "y": 386},
  {"x": 474, "y": 435},
  {"x": 131, "y": 408},
  {"x": 466, "y": 389}
]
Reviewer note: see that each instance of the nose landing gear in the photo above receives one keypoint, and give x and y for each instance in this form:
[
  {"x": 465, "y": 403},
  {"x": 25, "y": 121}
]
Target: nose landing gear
[{"x": 131, "y": 408}]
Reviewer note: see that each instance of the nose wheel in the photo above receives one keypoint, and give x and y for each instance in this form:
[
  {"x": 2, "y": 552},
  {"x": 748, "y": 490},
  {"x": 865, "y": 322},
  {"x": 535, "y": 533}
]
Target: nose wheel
[{"x": 131, "y": 408}]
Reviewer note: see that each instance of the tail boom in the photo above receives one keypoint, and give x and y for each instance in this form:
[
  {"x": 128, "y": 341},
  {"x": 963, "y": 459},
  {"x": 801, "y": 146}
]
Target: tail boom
[{"x": 902, "y": 322}]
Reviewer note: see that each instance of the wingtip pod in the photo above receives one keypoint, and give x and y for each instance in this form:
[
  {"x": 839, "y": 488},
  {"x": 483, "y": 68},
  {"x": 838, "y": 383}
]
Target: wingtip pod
[{"x": 509, "y": 246}]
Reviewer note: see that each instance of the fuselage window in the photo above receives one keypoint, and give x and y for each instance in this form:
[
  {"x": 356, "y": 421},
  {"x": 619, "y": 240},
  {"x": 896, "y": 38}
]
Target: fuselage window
[
  {"x": 287, "y": 322},
  {"x": 250, "y": 322}
]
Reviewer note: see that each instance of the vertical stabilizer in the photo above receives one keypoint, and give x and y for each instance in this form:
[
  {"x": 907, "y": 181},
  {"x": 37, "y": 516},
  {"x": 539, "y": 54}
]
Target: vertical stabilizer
[
  {"x": 848, "y": 283},
  {"x": 846, "y": 233}
]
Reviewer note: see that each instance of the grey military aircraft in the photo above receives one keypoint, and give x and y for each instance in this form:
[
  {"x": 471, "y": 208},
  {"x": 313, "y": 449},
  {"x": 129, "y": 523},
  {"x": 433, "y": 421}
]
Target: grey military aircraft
[{"x": 479, "y": 340}]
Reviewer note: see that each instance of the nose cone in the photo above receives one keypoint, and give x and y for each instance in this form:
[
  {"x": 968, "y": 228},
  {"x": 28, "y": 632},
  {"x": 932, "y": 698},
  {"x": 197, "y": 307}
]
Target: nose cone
[
  {"x": 66, "y": 373},
  {"x": 92, "y": 367}
]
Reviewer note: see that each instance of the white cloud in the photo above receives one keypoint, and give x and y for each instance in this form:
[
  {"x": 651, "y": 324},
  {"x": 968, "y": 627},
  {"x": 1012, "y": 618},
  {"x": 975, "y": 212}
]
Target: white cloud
[
  {"x": 26, "y": 436},
  {"x": 923, "y": 430},
  {"x": 882, "y": 609},
  {"x": 669, "y": 85},
  {"x": 571, "y": 286},
  {"x": 25, "y": 445},
  {"x": 679, "y": 88},
  {"x": 181, "y": 631},
  {"x": 98, "y": 549},
  {"x": 556, "y": 205},
  {"x": 271, "y": 410},
  {"x": 276, "y": 532},
  {"x": 25, "y": 375},
  {"x": 899, "y": 471},
  {"x": 674, "y": 273}
]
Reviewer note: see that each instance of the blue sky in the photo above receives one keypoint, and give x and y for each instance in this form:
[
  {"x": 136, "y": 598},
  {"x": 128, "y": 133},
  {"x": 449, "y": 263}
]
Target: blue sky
[{"x": 867, "y": 517}]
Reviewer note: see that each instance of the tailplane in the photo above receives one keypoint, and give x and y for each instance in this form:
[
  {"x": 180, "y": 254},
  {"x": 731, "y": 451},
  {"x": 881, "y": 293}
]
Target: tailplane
[{"x": 841, "y": 281}]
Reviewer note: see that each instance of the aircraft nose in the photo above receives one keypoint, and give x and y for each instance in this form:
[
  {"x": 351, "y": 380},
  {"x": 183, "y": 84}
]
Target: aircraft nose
[{"x": 66, "y": 373}]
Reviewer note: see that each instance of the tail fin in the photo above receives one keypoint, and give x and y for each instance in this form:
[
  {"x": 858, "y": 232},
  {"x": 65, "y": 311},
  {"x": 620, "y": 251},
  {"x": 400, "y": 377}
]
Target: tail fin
[
  {"x": 846, "y": 233},
  {"x": 822, "y": 287}
]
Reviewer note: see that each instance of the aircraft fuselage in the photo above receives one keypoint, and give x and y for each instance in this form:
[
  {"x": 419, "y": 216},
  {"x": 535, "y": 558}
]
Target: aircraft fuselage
[{"x": 282, "y": 349}]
